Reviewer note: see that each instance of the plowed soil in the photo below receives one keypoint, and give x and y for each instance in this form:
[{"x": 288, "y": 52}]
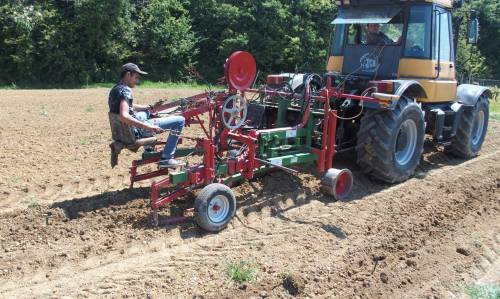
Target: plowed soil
[{"x": 69, "y": 225}]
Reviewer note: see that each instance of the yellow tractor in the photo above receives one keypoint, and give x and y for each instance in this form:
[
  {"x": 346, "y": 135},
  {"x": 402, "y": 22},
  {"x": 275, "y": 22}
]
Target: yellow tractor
[{"x": 404, "y": 51}]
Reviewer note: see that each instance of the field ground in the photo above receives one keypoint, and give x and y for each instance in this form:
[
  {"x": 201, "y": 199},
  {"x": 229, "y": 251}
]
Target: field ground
[
  {"x": 69, "y": 226},
  {"x": 495, "y": 106}
]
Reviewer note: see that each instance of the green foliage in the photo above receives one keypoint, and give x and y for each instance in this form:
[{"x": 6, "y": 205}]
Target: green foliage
[
  {"x": 495, "y": 104},
  {"x": 74, "y": 43},
  {"x": 160, "y": 85},
  {"x": 166, "y": 43},
  {"x": 241, "y": 272},
  {"x": 479, "y": 60},
  {"x": 282, "y": 35}
]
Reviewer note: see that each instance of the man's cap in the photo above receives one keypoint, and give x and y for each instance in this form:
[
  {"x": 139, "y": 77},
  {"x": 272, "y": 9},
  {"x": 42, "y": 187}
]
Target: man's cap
[{"x": 132, "y": 67}]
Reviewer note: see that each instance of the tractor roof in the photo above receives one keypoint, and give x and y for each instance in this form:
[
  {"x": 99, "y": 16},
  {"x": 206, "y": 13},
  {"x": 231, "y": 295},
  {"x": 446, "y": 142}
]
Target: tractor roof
[{"x": 444, "y": 3}]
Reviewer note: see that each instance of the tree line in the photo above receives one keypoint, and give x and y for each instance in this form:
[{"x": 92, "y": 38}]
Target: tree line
[{"x": 65, "y": 42}]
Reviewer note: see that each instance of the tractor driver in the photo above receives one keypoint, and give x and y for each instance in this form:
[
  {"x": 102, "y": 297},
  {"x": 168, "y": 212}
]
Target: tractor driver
[
  {"x": 376, "y": 37},
  {"x": 120, "y": 101}
]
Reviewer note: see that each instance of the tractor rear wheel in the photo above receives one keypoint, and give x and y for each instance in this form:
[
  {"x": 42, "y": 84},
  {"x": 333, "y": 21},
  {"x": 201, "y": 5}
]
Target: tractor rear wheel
[
  {"x": 214, "y": 207},
  {"x": 471, "y": 130},
  {"x": 390, "y": 142}
]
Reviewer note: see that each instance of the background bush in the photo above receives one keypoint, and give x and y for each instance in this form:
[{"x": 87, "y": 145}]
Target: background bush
[{"x": 77, "y": 42}]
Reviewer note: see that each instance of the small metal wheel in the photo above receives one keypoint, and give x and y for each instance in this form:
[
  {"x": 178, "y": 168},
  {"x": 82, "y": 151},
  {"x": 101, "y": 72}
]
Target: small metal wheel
[
  {"x": 337, "y": 183},
  {"x": 214, "y": 207},
  {"x": 234, "y": 112}
]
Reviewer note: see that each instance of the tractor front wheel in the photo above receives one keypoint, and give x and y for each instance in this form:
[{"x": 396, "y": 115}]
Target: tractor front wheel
[
  {"x": 214, "y": 207},
  {"x": 471, "y": 130},
  {"x": 390, "y": 142}
]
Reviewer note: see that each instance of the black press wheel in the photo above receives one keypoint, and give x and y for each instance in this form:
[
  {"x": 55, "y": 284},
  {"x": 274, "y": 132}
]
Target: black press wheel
[
  {"x": 214, "y": 207},
  {"x": 471, "y": 130},
  {"x": 390, "y": 142}
]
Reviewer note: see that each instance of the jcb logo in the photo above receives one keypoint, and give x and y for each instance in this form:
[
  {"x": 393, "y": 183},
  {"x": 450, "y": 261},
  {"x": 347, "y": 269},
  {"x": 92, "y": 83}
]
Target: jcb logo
[{"x": 369, "y": 63}]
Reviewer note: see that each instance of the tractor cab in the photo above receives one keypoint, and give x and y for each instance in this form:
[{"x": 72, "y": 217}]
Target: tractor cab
[
  {"x": 383, "y": 40},
  {"x": 372, "y": 37}
]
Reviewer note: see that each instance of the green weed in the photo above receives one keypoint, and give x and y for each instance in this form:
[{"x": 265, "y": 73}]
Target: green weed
[
  {"x": 243, "y": 271},
  {"x": 89, "y": 109},
  {"x": 33, "y": 203},
  {"x": 44, "y": 112},
  {"x": 84, "y": 141},
  {"x": 14, "y": 179}
]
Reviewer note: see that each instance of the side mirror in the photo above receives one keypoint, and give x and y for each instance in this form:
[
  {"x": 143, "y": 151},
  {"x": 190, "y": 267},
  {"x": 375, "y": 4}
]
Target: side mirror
[
  {"x": 473, "y": 30},
  {"x": 458, "y": 3}
]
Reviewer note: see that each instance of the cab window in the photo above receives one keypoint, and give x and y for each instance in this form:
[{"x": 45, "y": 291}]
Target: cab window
[
  {"x": 442, "y": 36},
  {"x": 418, "y": 39},
  {"x": 376, "y": 34}
]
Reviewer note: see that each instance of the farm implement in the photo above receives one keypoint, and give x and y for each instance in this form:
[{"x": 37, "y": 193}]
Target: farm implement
[
  {"x": 277, "y": 128},
  {"x": 377, "y": 99}
]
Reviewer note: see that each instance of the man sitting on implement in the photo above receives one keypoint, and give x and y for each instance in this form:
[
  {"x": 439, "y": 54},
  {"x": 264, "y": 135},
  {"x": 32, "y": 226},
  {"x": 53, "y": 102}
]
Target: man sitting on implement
[{"x": 121, "y": 102}]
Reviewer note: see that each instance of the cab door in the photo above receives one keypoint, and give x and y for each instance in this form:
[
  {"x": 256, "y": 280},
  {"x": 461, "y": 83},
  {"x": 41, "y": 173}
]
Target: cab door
[
  {"x": 428, "y": 55},
  {"x": 444, "y": 87}
]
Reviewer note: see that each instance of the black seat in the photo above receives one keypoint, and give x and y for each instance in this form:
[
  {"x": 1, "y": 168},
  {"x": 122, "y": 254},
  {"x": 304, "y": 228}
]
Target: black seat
[
  {"x": 255, "y": 117},
  {"x": 123, "y": 137}
]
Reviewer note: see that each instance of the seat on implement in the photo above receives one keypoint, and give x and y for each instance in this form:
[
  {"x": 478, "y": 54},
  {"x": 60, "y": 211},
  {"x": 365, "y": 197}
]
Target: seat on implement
[
  {"x": 255, "y": 117},
  {"x": 123, "y": 137}
]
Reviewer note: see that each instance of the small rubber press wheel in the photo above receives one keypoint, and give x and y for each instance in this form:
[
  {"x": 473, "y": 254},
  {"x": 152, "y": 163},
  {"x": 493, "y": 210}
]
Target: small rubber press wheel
[{"x": 214, "y": 207}]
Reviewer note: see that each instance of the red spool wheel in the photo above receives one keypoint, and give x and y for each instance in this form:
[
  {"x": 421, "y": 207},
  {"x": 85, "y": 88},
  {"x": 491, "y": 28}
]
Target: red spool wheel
[{"x": 240, "y": 70}]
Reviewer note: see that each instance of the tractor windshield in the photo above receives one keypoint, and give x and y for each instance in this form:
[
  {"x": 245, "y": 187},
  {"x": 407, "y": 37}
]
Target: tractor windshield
[
  {"x": 371, "y": 26},
  {"x": 375, "y": 34},
  {"x": 370, "y": 40}
]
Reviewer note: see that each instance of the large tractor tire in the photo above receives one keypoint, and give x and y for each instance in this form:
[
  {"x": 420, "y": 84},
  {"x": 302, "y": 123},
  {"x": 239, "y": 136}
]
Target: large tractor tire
[
  {"x": 214, "y": 207},
  {"x": 471, "y": 130},
  {"x": 390, "y": 142}
]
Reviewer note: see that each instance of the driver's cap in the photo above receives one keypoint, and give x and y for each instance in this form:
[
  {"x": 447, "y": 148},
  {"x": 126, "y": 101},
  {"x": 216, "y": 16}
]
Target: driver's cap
[{"x": 132, "y": 67}]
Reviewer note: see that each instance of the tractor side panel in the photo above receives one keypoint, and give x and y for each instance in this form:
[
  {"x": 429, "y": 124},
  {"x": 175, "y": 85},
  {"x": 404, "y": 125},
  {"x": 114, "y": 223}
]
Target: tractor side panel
[
  {"x": 438, "y": 89},
  {"x": 335, "y": 63}
]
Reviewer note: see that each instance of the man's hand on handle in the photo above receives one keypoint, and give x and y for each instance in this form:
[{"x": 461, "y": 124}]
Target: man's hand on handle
[{"x": 155, "y": 129}]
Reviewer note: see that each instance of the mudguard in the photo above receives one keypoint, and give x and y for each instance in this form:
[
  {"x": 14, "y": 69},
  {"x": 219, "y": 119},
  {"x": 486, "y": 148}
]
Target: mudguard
[
  {"x": 409, "y": 88},
  {"x": 468, "y": 94}
]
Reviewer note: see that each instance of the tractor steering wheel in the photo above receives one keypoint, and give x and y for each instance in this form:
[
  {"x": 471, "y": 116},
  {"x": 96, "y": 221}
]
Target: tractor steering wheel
[
  {"x": 416, "y": 51},
  {"x": 234, "y": 112}
]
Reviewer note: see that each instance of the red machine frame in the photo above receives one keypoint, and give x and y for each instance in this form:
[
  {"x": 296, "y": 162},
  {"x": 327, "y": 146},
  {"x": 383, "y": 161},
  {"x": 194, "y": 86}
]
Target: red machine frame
[{"x": 207, "y": 102}]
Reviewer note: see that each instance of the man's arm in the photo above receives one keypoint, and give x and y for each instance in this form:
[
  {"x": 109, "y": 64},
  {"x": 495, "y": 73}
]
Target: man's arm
[
  {"x": 139, "y": 107},
  {"x": 129, "y": 120}
]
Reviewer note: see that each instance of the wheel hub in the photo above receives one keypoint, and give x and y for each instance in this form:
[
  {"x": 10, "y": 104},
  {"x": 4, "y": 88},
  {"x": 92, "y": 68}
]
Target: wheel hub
[
  {"x": 406, "y": 142},
  {"x": 477, "y": 131},
  {"x": 218, "y": 208},
  {"x": 234, "y": 112}
]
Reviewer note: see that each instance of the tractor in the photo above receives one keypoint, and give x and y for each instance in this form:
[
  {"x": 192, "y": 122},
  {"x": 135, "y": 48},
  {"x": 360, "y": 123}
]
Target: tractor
[{"x": 390, "y": 81}]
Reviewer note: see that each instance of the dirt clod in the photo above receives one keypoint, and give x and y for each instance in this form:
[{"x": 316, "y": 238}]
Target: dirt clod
[
  {"x": 464, "y": 251},
  {"x": 294, "y": 284},
  {"x": 383, "y": 277},
  {"x": 411, "y": 263}
]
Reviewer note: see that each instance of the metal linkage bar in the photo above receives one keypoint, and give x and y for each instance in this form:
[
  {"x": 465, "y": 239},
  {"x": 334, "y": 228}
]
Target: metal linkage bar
[{"x": 286, "y": 169}]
